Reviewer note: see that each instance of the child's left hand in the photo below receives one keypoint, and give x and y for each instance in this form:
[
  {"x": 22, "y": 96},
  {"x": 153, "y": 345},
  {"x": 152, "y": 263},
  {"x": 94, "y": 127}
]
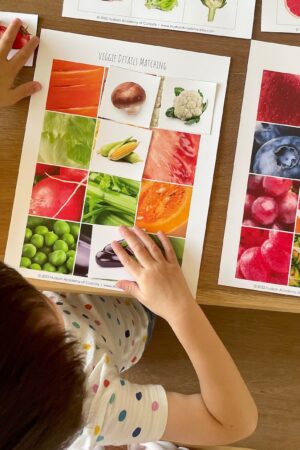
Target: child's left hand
[{"x": 9, "y": 69}]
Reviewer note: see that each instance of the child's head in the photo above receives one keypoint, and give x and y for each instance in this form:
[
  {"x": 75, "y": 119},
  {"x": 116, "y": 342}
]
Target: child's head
[{"x": 42, "y": 383}]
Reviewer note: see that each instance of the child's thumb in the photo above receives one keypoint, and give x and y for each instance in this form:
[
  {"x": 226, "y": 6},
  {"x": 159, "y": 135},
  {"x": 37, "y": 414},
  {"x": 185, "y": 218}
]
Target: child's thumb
[{"x": 25, "y": 90}]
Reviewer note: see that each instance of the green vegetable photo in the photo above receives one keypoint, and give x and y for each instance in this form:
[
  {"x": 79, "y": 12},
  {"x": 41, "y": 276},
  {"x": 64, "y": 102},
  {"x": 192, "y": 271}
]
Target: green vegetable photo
[
  {"x": 213, "y": 6},
  {"x": 67, "y": 140},
  {"x": 49, "y": 245},
  {"x": 110, "y": 200},
  {"x": 162, "y": 5}
]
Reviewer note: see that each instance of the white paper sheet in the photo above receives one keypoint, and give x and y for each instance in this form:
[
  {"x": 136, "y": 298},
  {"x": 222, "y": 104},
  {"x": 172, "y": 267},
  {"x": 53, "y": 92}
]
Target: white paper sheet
[
  {"x": 234, "y": 19},
  {"x": 263, "y": 254},
  {"x": 69, "y": 108},
  {"x": 280, "y": 16},
  {"x": 30, "y": 22}
]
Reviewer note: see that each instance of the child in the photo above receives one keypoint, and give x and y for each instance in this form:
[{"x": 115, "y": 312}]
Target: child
[{"x": 62, "y": 355}]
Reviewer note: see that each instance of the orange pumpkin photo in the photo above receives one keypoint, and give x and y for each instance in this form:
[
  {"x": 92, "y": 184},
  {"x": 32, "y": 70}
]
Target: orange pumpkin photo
[{"x": 164, "y": 207}]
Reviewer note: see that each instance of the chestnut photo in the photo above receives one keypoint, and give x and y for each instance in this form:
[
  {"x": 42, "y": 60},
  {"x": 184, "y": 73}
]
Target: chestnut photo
[{"x": 129, "y": 97}]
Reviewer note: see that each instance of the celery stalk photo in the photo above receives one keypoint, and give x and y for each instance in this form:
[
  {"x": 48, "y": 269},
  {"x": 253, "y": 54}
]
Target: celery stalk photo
[{"x": 212, "y": 6}]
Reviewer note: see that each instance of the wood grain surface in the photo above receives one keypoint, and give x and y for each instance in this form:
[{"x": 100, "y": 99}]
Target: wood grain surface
[
  {"x": 13, "y": 120},
  {"x": 264, "y": 344}
]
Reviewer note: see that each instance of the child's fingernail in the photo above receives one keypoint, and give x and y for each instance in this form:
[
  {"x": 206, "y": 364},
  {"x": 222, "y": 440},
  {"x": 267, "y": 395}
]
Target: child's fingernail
[
  {"x": 37, "y": 87},
  {"x": 35, "y": 40}
]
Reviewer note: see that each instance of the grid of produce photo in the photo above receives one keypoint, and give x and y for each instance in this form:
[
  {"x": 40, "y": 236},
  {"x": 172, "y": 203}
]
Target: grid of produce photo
[
  {"x": 269, "y": 249},
  {"x": 104, "y": 161}
]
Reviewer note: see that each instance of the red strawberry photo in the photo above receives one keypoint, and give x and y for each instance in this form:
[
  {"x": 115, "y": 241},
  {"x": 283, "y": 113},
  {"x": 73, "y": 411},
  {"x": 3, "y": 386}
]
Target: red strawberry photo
[{"x": 279, "y": 98}]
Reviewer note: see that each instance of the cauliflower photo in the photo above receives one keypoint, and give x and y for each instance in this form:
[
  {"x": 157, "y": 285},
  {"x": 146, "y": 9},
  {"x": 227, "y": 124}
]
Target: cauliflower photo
[{"x": 188, "y": 106}]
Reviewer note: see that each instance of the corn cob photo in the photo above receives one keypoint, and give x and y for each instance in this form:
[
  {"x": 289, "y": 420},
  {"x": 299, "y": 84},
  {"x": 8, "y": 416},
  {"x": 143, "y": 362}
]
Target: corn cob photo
[{"x": 121, "y": 150}]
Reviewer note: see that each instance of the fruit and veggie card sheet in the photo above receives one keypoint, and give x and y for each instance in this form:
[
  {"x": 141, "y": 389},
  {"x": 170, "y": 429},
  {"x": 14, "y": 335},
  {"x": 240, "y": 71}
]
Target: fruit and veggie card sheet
[
  {"x": 220, "y": 17},
  {"x": 261, "y": 248},
  {"x": 121, "y": 134},
  {"x": 281, "y": 16},
  {"x": 28, "y": 29}
]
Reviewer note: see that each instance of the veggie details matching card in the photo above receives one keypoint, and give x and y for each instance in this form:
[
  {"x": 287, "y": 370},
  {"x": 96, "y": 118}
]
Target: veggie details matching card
[
  {"x": 114, "y": 140},
  {"x": 221, "y": 17},
  {"x": 264, "y": 207}
]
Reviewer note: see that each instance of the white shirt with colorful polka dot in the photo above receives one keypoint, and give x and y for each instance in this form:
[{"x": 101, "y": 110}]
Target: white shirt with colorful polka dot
[{"x": 112, "y": 333}]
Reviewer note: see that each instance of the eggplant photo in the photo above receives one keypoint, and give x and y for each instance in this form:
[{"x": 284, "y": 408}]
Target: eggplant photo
[{"x": 108, "y": 258}]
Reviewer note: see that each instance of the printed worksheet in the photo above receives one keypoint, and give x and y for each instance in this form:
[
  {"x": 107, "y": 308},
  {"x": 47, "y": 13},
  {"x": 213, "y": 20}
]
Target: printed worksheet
[
  {"x": 261, "y": 248},
  {"x": 120, "y": 135},
  {"x": 281, "y": 16},
  {"x": 28, "y": 29},
  {"x": 220, "y": 17}
]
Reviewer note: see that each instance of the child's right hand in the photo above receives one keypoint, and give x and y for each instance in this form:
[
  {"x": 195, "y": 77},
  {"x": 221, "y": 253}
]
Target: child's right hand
[
  {"x": 160, "y": 284},
  {"x": 224, "y": 411}
]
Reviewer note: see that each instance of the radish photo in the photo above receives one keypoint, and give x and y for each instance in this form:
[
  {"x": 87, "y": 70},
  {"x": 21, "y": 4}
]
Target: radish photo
[{"x": 58, "y": 192}]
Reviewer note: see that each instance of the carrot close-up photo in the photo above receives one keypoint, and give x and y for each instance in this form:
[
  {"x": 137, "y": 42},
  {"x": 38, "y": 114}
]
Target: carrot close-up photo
[{"x": 75, "y": 88}]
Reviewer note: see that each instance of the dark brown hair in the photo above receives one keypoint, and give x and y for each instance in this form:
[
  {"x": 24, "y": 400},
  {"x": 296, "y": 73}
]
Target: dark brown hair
[{"x": 42, "y": 383}]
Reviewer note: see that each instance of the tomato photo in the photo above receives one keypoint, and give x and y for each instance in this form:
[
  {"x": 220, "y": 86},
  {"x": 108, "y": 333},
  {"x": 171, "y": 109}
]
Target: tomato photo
[{"x": 22, "y": 38}]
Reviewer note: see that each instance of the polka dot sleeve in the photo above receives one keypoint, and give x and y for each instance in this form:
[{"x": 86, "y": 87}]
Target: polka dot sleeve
[{"x": 120, "y": 413}]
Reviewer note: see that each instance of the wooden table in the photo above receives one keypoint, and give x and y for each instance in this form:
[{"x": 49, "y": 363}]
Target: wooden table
[{"x": 12, "y": 125}]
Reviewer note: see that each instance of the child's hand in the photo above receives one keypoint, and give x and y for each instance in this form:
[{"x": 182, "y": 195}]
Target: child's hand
[
  {"x": 9, "y": 69},
  {"x": 160, "y": 284}
]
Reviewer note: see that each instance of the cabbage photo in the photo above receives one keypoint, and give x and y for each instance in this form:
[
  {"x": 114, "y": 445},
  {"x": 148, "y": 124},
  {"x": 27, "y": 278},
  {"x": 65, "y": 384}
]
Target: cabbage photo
[{"x": 67, "y": 140}]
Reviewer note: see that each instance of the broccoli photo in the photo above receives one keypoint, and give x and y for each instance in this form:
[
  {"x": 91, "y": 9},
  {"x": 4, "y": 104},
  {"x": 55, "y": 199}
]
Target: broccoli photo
[{"x": 212, "y": 6}]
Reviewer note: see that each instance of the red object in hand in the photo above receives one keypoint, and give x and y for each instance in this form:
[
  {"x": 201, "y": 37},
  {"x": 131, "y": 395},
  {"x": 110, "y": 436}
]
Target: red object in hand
[{"x": 22, "y": 38}]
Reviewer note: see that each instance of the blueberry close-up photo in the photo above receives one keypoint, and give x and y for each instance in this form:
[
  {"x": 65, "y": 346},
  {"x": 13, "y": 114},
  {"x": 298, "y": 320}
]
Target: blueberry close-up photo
[{"x": 276, "y": 151}]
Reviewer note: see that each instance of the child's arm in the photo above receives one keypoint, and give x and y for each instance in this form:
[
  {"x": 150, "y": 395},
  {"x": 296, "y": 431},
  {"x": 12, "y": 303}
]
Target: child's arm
[
  {"x": 224, "y": 411},
  {"x": 10, "y": 69}
]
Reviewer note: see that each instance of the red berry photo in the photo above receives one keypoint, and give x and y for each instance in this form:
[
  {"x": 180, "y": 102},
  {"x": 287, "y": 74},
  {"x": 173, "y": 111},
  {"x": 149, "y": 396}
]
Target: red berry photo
[
  {"x": 264, "y": 256},
  {"x": 276, "y": 151},
  {"x": 279, "y": 98},
  {"x": 271, "y": 203}
]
